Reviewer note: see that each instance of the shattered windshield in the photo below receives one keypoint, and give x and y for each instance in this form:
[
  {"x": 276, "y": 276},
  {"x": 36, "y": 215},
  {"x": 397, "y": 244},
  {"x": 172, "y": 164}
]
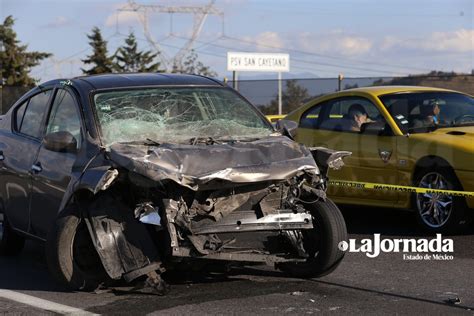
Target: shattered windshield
[{"x": 177, "y": 114}]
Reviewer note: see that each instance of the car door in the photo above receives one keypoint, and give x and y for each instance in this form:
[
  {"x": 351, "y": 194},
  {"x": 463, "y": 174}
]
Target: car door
[
  {"x": 52, "y": 170},
  {"x": 373, "y": 157},
  {"x": 19, "y": 147}
]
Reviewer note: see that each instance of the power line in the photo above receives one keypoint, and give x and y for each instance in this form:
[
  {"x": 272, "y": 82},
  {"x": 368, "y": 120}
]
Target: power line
[
  {"x": 311, "y": 64},
  {"x": 325, "y": 56},
  {"x": 66, "y": 59},
  {"x": 316, "y": 10},
  {"x": 225, "y": 56},
  {"x": 315, "y": 63}
]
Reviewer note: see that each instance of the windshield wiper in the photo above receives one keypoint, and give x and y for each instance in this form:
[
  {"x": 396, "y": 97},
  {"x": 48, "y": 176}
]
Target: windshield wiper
[
  {"x": 239, "y": 139},
  {"x": 153, "y": 142},
  {"x": 147, "y": 142},
  {"x": 202, "y": 140},
  {"x": 221, "y": 139}
]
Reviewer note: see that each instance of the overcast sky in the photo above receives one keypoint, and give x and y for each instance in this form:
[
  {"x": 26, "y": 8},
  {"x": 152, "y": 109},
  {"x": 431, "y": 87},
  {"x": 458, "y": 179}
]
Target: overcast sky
[{"x": 358, "y": 38}]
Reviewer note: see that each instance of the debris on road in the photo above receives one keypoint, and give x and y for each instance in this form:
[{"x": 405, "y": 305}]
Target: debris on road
[{"x": 453, "y": 301}]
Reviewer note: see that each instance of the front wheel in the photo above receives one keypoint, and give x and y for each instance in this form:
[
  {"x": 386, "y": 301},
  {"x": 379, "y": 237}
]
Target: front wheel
[
  {"x": 71, "y": 255},
  {"x": 320, "y": 243},
  {"x": 437, "y": 212}
]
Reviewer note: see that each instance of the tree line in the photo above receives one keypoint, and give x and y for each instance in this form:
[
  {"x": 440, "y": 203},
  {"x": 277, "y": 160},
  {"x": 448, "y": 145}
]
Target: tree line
[{"x": 16, "y": 61}]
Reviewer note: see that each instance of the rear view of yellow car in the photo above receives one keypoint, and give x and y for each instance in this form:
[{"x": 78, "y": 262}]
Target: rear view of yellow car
[{"x": 409, "y": 136}]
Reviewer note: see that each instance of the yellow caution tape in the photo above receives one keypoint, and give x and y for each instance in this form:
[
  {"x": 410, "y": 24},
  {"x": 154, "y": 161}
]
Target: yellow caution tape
[{"x": 399, "y": 188}]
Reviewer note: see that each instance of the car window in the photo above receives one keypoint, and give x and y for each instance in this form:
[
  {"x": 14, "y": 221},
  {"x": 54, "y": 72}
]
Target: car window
[
  {"x": 34, "y": 113},
  {"x": 419, "y": 112},
  {"x": 19, "y": 113},
  {"x": 348, "y": 114},
  {"x": 310, "y": 118},
  {"x": 342, "y": 107},
  {"x": 65, "y": 116}
]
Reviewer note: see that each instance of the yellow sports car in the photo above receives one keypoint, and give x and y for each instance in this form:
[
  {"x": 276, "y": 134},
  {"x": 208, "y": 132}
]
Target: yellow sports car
[{"x": 399, "y": 135}]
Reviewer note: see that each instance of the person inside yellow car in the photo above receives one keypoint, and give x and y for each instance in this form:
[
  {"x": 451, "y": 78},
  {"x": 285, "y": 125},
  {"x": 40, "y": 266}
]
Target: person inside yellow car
[
  {"x": 429, "y": 115},
  {"x": 357, "y": 116}
]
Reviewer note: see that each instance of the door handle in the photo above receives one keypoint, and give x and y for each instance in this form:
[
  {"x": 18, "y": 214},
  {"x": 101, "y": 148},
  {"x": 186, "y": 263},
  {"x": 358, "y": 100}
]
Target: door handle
[{"x": 36, "y": 168}]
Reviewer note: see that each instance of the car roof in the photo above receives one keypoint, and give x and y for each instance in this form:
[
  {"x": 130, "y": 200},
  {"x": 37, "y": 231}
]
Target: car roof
[
  {"x": 371, "y": 90},
  {"x": 104, "y": 81},
  {"x": 380, "y": 90}
]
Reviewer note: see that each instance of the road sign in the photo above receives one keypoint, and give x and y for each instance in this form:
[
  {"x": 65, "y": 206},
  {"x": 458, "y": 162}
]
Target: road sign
[{"x": 258, "y": 62}]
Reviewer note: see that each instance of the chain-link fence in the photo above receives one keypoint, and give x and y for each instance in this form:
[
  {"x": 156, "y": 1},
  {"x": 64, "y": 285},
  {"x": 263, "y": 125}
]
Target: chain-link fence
[{"x": 264, "y": 93}]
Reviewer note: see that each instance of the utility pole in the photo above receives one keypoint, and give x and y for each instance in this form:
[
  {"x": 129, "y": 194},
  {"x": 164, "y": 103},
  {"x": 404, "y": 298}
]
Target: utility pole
[
  {"x": 235, "y": 78},
  {"x": 280, "y": 106},
  {"x": 2, "y": 47},
  {"x": 199, "y": 13},
  {"x": 339, "y": 81}
]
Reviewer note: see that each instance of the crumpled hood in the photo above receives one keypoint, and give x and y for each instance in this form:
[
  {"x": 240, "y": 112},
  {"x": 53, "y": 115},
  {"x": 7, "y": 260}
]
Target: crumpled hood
[{"x": 201, "y": 166}]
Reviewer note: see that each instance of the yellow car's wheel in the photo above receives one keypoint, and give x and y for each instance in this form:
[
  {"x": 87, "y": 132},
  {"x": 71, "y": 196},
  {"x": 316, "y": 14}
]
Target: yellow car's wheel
[{"x": 438, "y": 212}]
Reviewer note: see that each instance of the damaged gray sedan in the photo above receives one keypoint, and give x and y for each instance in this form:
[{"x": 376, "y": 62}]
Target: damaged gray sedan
[{"x": 128, "y": 176}]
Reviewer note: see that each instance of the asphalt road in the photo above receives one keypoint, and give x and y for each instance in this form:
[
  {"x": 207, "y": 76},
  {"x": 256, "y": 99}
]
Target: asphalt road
[{"x": 386, "y": 284}]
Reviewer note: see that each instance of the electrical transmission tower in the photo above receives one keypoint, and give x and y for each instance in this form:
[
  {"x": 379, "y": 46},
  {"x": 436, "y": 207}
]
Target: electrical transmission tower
[
  {"x": 59, "y": 69},
  {"x": 199, "y": 13}
]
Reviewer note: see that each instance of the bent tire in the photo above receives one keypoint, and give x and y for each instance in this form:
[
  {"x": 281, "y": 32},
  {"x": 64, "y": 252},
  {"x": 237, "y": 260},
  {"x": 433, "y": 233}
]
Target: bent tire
[
  {"x": 321, "y": 243},
  {"x": 71, "y": 255},
  {"x": 439, "y": 213},
  {"x": 11, "y": 243}
]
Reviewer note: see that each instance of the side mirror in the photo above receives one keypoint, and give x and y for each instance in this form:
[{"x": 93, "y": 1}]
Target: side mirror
[
  {"x": 376, "y": 128},
  {"x": 287, "y": 128},
  {"x": 60, "y": 142}
]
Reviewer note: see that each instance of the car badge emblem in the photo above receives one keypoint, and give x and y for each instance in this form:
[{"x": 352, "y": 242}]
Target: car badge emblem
[{"x": 385, "y": 155}]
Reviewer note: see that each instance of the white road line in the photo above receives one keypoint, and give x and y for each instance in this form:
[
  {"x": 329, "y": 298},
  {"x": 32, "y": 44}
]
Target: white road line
[{"x": 42, "y": 304}]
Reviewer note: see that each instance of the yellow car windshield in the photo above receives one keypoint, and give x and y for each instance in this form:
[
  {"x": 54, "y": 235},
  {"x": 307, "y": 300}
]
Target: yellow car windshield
[{"x": 417, "y": 112}]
